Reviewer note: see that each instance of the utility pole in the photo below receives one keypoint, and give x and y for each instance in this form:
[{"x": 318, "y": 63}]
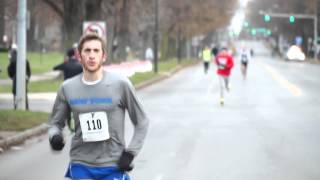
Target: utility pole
[
  {"x": 179, "y": 53},
  {"x": 20, "y": 99},
  {"x": 2, "y": 23},
  {"x": 156, "y": 36},
  {"x": 315, "y": 40},
  {"x": 179, "y": 33},
  {"x": 317, "y": 14}
]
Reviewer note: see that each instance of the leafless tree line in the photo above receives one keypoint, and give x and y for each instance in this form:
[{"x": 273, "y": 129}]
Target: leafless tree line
[{"x": 130, "y": 23}]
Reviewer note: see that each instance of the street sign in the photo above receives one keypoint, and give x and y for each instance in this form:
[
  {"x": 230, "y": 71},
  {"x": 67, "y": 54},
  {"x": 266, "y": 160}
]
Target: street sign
[{"x": 98, "y": 27}]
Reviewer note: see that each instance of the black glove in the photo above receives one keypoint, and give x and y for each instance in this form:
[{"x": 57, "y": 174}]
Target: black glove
[
  {"x": 124, "y": 163},
  {"x": 57, "y": 142}
]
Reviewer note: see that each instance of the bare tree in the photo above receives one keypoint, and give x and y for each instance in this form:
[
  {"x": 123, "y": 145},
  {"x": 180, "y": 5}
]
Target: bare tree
[
  {"x": 131, "y": 22},
  {"x": 74, "y": 12},
  {"x": 184, "y": 19}
]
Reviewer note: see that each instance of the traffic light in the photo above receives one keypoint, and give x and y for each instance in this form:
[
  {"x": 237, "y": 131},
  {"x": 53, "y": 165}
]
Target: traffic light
[
  {"x": 292, "y": 19},
  {"x": 268, "y": 32},
  {"x": 246, "y": 24},
  {"x": 267, "y": 18},
  {"x": 253, "y": 32}
]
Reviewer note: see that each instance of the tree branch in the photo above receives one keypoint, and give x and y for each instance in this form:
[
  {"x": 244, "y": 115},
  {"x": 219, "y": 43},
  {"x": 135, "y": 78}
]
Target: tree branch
[{"x": 53, "y": 4}]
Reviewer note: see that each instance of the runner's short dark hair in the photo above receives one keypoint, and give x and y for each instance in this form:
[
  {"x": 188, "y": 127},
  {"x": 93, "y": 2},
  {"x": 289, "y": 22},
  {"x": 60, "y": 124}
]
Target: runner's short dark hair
[
  {"x": 89, "y": 37},
  {"x": 70, "y": 52},
  {"x": 224, "y": 48}
]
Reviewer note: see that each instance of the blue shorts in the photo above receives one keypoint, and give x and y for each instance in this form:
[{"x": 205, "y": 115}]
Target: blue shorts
[{"x": 80, "y": 171}]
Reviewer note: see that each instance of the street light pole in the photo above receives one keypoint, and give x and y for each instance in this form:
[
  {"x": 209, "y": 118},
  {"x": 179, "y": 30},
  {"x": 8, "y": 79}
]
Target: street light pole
[
  {"x": 20, "y": 99},
  {"x": 156, "y": 36},
  {"x": 315, "y": 45}
]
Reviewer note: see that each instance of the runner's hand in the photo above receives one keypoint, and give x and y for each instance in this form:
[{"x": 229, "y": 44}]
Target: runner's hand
[
  {"x": 57, "y": 142},
  {"x": 124, "y": 163}
]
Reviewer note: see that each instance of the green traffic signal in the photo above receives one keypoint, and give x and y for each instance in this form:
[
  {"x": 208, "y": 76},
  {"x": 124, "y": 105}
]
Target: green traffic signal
[
  {"x": 246, "y": 24},
  {"x": 267, "y": 18},
  {"x": 292, "y": 19},
  {"x": 253, "y": 32},
  {"x": 268, "y": 32}
]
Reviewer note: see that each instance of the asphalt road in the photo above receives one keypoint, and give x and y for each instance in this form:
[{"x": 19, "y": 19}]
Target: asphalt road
[{"x": 268, "y": 128}]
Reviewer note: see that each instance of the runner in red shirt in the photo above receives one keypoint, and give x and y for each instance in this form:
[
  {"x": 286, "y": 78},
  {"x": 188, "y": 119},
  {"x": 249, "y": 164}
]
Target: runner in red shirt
[{"x": 224, "y": 62}]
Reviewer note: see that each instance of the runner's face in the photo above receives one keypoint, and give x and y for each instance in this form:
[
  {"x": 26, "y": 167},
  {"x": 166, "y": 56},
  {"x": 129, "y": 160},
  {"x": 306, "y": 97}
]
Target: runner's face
[{"x": 92, "y": 56}]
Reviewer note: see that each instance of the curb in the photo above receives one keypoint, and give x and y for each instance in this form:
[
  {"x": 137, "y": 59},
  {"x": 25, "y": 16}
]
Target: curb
[
  {"x": 162, "y": 76},
  {"x": 6, "y": 143},
  {"x": 21, "y": 137}
]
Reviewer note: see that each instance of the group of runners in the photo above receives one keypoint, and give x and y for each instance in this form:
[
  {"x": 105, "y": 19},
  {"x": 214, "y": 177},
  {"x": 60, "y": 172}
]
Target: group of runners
[{"x": 224, "y": 61}]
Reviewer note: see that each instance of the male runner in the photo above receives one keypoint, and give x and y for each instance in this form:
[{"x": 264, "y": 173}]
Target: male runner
[
  {"x": 97, "y": 100},
  {"x": 224, "y": 62}
]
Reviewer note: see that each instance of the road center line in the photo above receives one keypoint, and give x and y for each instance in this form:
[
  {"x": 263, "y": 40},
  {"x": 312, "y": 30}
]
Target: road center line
[{"x": 284, "y": 82}]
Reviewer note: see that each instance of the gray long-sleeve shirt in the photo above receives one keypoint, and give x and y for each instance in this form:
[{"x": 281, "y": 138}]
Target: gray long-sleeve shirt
[{"x": 90, "y": 106}]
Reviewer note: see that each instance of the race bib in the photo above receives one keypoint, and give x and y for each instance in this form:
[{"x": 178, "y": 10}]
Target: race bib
[
  {"x": 94, "y": 126},
  {"x": 244, "y": 58},
  {"x": 222, "y": 63}
]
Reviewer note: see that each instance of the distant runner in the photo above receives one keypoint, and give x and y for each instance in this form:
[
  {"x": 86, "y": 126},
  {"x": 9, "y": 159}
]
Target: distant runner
[
  {"x": 224, "y": 62},
  {"x": 245, "y": 57},
  {"x": 206, "y": 57}
]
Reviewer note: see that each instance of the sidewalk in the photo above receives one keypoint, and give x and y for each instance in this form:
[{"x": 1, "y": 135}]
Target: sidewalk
[
  {"x": 35, "y": 77},
  {"x": 31, "y": 96}
]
